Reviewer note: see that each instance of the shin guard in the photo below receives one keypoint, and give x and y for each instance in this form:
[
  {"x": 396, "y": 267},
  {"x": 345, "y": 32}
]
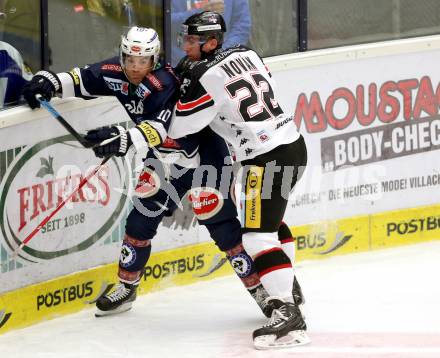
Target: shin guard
[{"x": 134, "y": 256}]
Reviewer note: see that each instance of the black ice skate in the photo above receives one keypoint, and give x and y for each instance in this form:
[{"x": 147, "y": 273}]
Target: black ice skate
[
  {"x": 286, "y": 327},
  {"x": 117, "y": 301},
  {"x": 260, "y": 296}
]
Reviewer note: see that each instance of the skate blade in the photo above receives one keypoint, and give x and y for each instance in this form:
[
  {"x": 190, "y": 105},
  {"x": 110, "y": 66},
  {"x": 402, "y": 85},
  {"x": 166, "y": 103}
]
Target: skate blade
[
  {"x": 292, "y": 339},
  {"x": 123, "y": 308}
]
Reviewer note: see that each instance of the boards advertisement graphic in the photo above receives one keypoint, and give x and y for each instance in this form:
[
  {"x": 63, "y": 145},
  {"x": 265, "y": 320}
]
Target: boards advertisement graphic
[
  {"x": 39, "y": 170},
  {"x": 79, "y": 291},
  {"x": 39, "y": 180},
  {"x": 372, "y": 128}
]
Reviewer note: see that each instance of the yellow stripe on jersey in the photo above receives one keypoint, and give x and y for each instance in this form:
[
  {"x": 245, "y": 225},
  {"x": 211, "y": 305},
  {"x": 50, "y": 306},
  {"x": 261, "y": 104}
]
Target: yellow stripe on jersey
[
  {"x": 254, "y": 184},
  {"x": 151, "y": 135}
]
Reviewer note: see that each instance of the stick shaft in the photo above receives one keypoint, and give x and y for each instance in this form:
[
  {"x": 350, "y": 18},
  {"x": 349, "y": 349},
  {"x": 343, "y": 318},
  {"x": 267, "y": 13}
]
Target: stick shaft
[
  {"x": 63, "y": 122},
  {"x": 69, "y": 128}
]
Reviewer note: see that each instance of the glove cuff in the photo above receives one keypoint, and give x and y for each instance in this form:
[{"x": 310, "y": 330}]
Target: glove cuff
[
  {"x": 123, "y": 139},
  {"x": 52, "y": 78}
]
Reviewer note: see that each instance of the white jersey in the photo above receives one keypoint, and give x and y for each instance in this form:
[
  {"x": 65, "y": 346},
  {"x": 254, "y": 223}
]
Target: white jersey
[{"x": 233, "y": 93}]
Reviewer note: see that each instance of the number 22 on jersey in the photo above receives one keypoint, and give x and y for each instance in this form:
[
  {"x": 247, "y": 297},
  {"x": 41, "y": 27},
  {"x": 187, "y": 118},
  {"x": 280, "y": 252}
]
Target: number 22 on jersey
[{"x": 255, "y": 97}]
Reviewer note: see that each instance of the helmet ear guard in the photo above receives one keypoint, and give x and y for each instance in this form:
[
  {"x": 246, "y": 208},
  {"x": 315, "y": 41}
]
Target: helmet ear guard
[{"x": 140, "y": 41}]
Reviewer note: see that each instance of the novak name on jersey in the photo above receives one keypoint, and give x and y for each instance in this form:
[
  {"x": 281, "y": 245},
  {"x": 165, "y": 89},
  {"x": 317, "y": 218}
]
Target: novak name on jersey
[{"x": 233, "y": 80}]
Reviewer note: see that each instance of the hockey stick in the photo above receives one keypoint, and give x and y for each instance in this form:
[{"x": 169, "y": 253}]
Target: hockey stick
[
  {"x": 59, "y": 207},
  {"x": 85, "y": 143}
]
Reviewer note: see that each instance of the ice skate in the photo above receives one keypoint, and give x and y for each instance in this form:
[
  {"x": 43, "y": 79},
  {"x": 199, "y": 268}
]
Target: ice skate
[
  {"x": 286, "y": 327},
  {"x": 118, "y": 301}
]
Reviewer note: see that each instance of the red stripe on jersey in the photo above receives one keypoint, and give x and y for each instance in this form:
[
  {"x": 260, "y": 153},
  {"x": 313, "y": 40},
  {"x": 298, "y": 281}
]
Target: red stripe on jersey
[
  {"x": 274, "y": 268},
  {"x": 287, "y": 240},
  {"x": 267, "y": 252},
  {"x": 193, "y": 104}
]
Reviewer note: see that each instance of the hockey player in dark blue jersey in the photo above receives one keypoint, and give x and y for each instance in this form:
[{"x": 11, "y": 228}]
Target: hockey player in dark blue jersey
[{"x": 148, "y": 90}]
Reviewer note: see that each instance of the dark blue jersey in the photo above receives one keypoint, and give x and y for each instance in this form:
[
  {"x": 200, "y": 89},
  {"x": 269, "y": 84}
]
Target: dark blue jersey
[{"x": 152, "y": 101}]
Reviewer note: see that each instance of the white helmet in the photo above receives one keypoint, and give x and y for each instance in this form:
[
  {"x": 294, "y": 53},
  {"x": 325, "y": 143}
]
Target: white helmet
[{"x": 140, "y": 41}]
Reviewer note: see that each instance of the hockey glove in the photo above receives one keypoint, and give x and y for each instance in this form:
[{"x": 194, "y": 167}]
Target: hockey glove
[
  {"x": 44, "y": 83},
  {"x": 119, "y": 146}
]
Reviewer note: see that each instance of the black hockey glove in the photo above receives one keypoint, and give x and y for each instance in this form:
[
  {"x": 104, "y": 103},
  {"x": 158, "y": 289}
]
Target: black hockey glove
[
  {"x": 45, "y": 83},
  {"x": 119, "y": 146}
]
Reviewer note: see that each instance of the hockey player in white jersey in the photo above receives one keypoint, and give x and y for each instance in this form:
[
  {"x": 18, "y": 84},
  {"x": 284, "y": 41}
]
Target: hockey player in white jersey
[{"x": 232, "y": 92}]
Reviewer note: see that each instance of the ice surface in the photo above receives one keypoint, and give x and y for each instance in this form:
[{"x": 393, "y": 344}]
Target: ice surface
[{"x": 382, "y": 304}]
